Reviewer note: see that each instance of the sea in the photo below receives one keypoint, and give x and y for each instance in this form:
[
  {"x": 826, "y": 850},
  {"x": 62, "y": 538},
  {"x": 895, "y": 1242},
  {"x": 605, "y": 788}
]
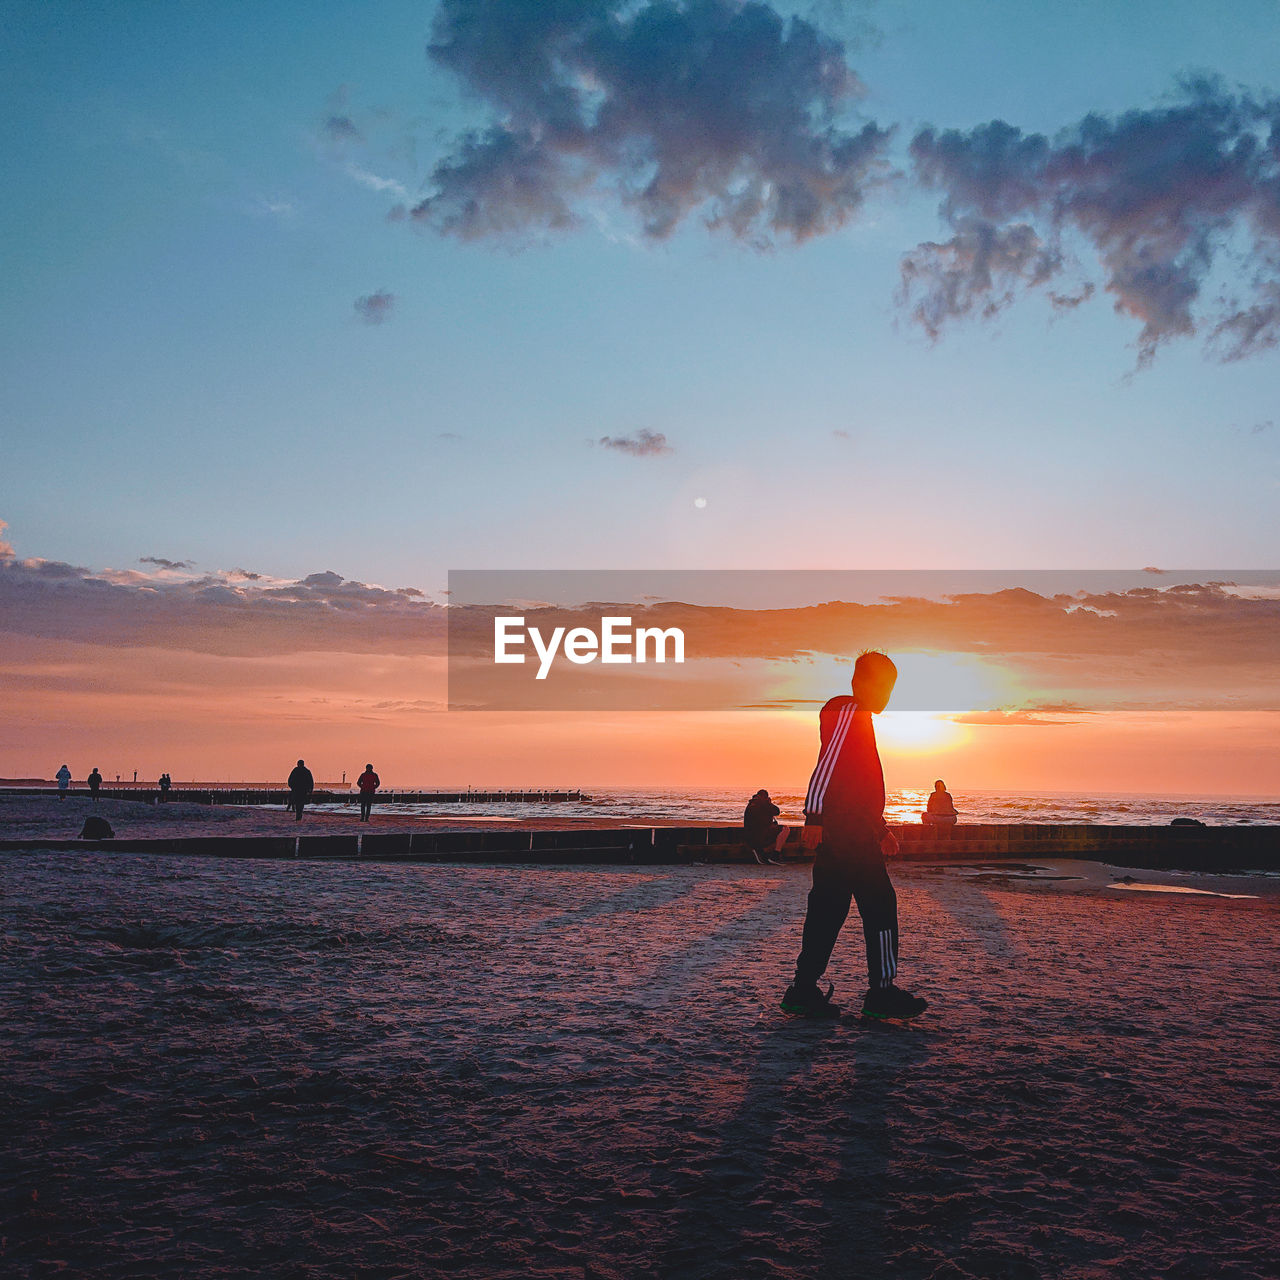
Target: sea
[{"x": 705, "y": 806}]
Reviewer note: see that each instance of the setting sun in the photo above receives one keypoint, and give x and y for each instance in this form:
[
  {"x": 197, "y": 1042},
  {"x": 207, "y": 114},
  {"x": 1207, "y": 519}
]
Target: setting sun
[{"x": 918, "y": 732}]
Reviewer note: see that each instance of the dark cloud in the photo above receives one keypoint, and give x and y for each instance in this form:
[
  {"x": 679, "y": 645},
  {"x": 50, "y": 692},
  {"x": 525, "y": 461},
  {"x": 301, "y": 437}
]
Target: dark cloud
[
  {"x": 374, "y": 308},
  {"x": 1070, "y": 301},
  {"x": 1152, "y": 194},
  {"x": 979, "y": 269},
  {"x": 642, "y": 444},
  {"x": 669, "y": 106},
  {"x": 342, "y": 129},
  {"x": 1251, "y": 329},
  {"x": 161, "y": 563}
]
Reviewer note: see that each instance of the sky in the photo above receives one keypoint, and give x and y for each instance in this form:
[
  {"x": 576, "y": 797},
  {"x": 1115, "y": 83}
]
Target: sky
[{"x": 308, "y": 305}]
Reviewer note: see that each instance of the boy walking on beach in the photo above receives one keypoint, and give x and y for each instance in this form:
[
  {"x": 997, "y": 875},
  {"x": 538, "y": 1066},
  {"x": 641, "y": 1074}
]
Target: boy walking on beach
[
  {"x": 368, "y": 782},
  {"x": 844, "y": 822}
]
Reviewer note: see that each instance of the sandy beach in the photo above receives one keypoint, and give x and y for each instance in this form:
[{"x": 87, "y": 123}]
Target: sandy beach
[{"x": 226, "y": 1069}]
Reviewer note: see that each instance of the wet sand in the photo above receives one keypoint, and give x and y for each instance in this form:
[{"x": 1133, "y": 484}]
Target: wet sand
[{"x": 223, "y": 1069}]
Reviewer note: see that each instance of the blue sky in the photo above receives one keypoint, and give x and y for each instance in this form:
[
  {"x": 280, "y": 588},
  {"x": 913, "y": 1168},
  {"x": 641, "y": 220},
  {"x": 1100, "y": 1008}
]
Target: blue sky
[{"x": 185, "y": 373}]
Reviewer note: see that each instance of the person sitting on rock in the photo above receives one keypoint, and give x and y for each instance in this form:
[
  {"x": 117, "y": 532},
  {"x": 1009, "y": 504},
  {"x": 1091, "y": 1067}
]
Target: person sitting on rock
[{"x": 941, "y": 811}]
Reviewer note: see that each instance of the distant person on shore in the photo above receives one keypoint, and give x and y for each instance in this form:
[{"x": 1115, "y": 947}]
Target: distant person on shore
[
  {"x": 95, "y": 781},
  {"x": 941, "y": 809},
  {"x": 165, "y": 783},
  {"x": 64, "y": 781},
  {"x": 844, "y": 823},
  {"x": 764, "y": 836},
  {"x": 368, "y": 782},
  {"x": 301, "y": 785}
]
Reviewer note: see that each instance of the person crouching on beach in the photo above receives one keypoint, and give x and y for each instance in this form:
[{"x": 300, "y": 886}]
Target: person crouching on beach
[
  {"x": 301, "y": 785},
  {"x": 765, "y": 837},
  {"x": 368, "y": 783},
  {"x": 844, "y": 823}
]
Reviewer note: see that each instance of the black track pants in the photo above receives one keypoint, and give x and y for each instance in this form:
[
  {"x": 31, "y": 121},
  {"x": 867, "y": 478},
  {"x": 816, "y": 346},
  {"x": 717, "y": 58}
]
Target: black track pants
[{"x": 847, "y": 871}]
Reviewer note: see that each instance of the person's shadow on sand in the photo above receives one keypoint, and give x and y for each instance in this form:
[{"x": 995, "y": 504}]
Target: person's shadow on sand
[{"x": 799, "y": 1182}]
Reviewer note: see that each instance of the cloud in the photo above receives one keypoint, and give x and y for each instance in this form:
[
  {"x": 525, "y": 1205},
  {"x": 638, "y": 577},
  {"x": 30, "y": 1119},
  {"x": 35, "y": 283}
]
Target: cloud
[
  {"x": 235, "y": 613},
  {"x": 1211, "y": 644},
  {"x": 375, "y": 182},
  {"x": 667, "y": 106},
  {"x": 1153, "y": 195},
  {"x": 642, "y": 444},
  {"x": 374, "y": 308},
  {"x": 1047, "y": 714},
  {"x": 341, "y": 128},
  {"x": 161, "y": 563},
  {"x": 979, "y": 269},
  {"x": 1199, "y": 645}
]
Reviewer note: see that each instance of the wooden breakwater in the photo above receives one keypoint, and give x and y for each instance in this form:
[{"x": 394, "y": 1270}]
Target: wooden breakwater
[
  {"x": 239, "y": 795},
  {"x": 1210, "y": 849}
]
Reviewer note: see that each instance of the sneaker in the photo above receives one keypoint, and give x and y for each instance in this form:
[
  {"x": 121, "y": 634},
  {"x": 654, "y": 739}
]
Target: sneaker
[
  {"x": 809, "y": 1002},
  {"x": 892, "y": 1002}
]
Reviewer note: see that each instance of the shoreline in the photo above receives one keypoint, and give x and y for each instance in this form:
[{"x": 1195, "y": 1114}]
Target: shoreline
[{"x": 238, "y": 831}]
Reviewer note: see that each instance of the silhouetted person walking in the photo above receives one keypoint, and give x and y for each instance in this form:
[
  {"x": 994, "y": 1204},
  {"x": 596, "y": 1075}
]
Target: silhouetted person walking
[
  {"x": 301, "y": 785},
  {"x": 95, "y": 781},
  {"x": 844, "y": 821},
  {"x": 64, "y": 781},
  {"x": 368, "y": 783},
  {"x": 764, "y": 836}
]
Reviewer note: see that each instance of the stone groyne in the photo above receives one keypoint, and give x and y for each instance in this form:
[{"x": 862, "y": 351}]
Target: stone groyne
[{"x": 1189, "y": 848}]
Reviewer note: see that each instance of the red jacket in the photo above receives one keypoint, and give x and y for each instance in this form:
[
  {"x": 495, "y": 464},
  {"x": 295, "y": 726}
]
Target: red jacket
[
  {"x": 368, "y": 781},
  {"x": 847, "y": 787}
]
